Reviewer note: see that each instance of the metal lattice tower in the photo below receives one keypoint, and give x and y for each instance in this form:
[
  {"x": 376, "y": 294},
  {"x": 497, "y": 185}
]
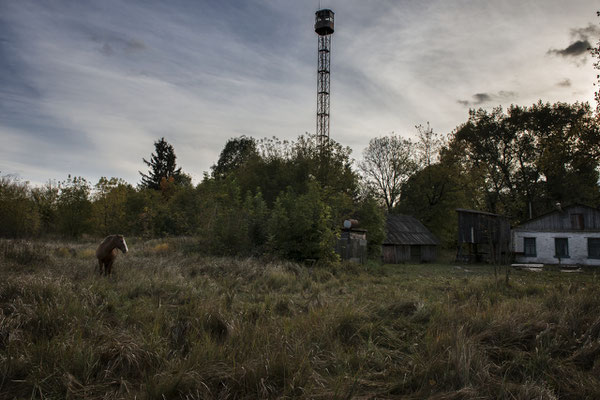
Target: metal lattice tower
[{"x": 323, "y": 28}]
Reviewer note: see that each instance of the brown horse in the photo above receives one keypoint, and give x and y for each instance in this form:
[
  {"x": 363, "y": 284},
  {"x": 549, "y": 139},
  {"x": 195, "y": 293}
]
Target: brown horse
[{"x": 107, "y": 252}]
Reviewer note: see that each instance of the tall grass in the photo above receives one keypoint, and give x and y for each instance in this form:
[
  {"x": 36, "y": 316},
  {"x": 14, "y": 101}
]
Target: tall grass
[{"x": 173, "y": 323}]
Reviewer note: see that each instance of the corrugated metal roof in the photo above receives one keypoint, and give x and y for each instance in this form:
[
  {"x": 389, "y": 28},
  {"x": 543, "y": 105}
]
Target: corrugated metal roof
[{"x": 404, "y": 229}]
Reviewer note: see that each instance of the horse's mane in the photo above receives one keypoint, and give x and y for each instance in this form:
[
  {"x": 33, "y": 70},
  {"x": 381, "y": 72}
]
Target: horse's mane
[{"x": 109, "y": 238}]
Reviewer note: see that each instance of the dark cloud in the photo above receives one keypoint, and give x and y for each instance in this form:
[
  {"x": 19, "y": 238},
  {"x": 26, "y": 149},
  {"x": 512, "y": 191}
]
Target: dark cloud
[
  {"x": 481, "y": 98},
  {"x": 506, "y": 94},
  {"x": 107, "y": 49},
  {"x": 586, "y": 33},
  {"x": 109, "y": 41},
  {"x": 581, "y": 42},
  {"x": 134, "y": 45},
  {"x": 564, "y": 83},
  {"x": 112, "y": 45},
  {"x": 573, "y": 50}
]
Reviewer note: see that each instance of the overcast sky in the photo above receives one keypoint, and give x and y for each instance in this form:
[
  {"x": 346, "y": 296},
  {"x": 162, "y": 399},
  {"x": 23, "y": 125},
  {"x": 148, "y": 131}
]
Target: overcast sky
[{"x": 86, "y": 87}]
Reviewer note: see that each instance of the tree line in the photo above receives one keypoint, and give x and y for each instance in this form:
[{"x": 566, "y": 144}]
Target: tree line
[
  {"x": 289, "y": 199},
  {"x": 261, "y": 197},
  {"x": 519, "y": 162}
]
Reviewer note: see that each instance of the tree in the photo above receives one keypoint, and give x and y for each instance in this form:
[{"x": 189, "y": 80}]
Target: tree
[
  {"x": 387, "y": 164},
  {"x": 371, "y": 217},
  {"x": 18, "y": 214},
  {"x": 428, "y": 146},
  {"x": 257, "y": 213},
  {"x": 74, "y": 209},
  {"x": 596, "y": 54},
  {"x": 45, "y": 199},
  {"x": 527, "y": 159},
  {"x": 271, "y": 166},
  {"x": 489, "y": 153},
  {"x": 432, "y": 195},
  {"x": 110, "y": 205},
  {"x": 300, "y": 226},
  {"x": 236, "y": 153},
  {"x": 163, "y": 167}
]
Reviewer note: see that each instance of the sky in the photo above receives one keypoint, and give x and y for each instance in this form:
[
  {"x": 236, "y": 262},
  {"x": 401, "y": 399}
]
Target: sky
[{"x": 87, "y": 87}]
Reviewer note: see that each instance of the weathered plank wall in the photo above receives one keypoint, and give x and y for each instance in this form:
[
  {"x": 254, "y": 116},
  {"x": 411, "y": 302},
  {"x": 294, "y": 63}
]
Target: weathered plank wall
[{"x": 566, "y": 220}]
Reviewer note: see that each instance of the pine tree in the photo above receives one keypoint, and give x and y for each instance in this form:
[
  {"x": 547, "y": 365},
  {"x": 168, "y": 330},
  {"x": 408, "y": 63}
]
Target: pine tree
[{"x": 162, "y": 167}]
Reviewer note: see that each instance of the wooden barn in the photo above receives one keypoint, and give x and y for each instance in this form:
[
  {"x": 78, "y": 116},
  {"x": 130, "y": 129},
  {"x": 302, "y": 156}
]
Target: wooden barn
[
  {"x": 569, "y": 235},
  {"x": 408, "y": 240},
  {"x": 482, "y": 237}
]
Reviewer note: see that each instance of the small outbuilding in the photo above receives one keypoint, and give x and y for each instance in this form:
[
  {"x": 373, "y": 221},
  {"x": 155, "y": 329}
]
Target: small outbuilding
[
  {"x": 569, "y": 235},
  {"x": 352, "y": 244},
  {"x": 408, "y": 240},
  {"x": 482, "y": 237}
]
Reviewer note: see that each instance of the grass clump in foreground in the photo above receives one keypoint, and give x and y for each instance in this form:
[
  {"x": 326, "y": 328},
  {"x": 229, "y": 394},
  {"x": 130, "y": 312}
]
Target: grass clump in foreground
[{"x": 175, "y": 324}]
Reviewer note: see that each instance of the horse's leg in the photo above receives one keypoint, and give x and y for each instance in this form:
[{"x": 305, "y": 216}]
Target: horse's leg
[
  {"x": 109, "y": 267},
  {"x": 104, "y": 268},
  {"x": 99, "y": 267}
]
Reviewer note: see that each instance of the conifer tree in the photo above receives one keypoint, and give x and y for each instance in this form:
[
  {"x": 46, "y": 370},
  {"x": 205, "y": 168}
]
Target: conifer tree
[{"x": 162, "y": 167}]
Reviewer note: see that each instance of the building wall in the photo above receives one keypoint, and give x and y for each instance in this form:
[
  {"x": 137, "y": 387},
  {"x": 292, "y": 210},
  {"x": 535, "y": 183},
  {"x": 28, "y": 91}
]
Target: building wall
[
  {"x": 578, "y": 247},
  {"x": 481, "y": 228},
  {"x": 397, "y": 254},
  {"x": 352, "y": 249},
  {"x": 428, "y": 253}
]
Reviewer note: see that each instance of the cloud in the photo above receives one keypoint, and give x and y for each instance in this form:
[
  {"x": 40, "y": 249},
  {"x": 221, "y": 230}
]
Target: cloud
[
  {"x": 581, "y": 42},
  {"x": 564, "y": 83},
  {"x": 586, "y": 33},
  {"x": 482, "y": 98},
  {"x": 575, "y": 49},
  {"x": 110, "y": 42},
  {"x": 119, "y": 45},
  {"x": 75, "y": 76}
]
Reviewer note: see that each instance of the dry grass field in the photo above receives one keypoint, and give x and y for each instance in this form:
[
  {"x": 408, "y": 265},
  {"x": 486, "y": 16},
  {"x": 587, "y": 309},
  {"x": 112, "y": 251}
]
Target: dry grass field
[{"x": 174, "y": 323}]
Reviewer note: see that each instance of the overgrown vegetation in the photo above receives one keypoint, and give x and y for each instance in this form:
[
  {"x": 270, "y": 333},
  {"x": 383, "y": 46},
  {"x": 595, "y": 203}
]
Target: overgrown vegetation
[
  {"x": 267, "y": 197},
  {"x": 173, "y": 323},
  {"x": 289, "y": 199},
  {"x": 518, "y": 162}
]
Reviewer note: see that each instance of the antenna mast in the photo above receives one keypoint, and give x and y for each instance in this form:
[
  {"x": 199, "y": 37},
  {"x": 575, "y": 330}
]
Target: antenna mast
[{"x": 324, "y": 30}]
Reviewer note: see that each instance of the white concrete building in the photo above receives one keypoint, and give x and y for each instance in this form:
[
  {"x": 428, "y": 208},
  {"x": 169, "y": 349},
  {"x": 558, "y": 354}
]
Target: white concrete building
[{"x": 567, "y": 236}]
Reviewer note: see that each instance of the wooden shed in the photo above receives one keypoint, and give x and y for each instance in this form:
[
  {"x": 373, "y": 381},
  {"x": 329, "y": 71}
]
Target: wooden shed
[
  {"x": 482, "y": 237},
  {"x": 408, "y": 240}
]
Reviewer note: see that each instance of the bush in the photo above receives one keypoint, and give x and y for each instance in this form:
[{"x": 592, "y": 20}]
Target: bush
[
  {"x": 301, "y": 227},
  {"x": 18, "y": 214}
]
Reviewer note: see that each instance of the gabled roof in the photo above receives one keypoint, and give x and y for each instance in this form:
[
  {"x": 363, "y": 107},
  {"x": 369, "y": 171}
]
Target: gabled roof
[
  {"x": 556, "y": 211},
  {"x": 407, "y": 230}
]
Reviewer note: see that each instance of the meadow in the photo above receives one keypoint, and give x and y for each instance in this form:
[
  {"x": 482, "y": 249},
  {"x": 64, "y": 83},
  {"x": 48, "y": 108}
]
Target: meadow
[{"x": 173, "y": 322}]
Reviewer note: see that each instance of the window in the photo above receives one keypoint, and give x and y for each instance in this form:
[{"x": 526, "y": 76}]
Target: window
[
  {"x": 594, "y": 248},
  {"x": 529, "y": 246},
  {"x": 577, "y": 222},
  {"x": 561, "y": 247}
]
